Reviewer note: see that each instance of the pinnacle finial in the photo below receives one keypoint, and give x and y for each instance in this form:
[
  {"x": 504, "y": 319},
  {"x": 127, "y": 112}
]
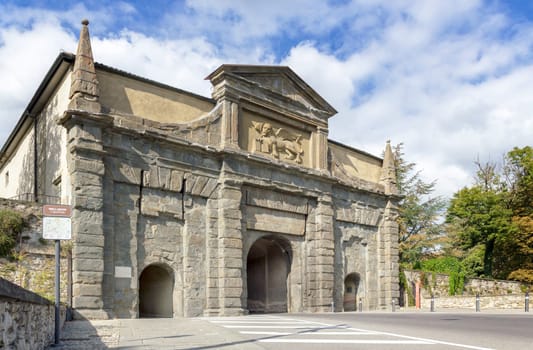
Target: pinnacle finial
[
  {"x": 388, "y": 171},
  {"x": 84, "y": 91}
]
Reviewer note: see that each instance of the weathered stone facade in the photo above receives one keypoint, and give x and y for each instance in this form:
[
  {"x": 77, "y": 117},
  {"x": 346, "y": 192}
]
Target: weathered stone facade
[{"x": 220, "y": 206}]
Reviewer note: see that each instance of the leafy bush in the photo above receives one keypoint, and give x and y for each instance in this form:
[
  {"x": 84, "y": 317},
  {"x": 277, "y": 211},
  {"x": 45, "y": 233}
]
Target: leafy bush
[
  {"x": 447, "y": 264},
  {"x": 11, "y": 225},
  {"x": 450, "y": 266}
]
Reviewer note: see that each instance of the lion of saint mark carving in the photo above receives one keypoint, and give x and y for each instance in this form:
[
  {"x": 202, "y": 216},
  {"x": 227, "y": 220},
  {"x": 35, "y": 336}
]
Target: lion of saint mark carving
[{"x": 274, "y": 141}]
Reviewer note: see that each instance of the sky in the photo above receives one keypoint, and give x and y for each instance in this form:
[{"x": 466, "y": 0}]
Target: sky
[{"x": 451, "y": 80}]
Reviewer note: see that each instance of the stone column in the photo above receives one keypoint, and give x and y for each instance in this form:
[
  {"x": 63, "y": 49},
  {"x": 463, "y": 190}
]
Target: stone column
[
  {"x": 230, "y": 123},
  {"x": 321, "y": 148},
  {"x": 230, "y": 255},
  {"x": 193, "y": 256},
  {"x": 389, "y": 287},
  {"x": 212, "y": 300},
  {"x": 320, "y": 269},
  {"x": 86, "y": 167}
]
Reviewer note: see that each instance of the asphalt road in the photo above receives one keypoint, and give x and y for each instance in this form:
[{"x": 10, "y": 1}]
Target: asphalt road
[{"x": 398, "y": 331}]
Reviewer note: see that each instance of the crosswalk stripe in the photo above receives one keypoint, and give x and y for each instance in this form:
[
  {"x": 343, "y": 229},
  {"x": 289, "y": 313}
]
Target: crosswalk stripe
[
  {"x": 338, "y": 333},
  {"x": 262, "y": 322},
  {"x": 265, "y": 333},
  {"x": 347, "y": 341},
  {"x": 270, "y": 327}
]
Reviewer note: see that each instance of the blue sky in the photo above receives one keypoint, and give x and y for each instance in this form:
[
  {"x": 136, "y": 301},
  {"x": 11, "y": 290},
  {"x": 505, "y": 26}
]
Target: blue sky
[{"x": 449, "y": 79}]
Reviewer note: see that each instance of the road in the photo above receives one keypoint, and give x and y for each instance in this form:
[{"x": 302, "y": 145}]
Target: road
[{"x": 397, "y": 331}]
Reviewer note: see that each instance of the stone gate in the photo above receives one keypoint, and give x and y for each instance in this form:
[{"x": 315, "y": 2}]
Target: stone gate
[{"x": 186, "y": 205}]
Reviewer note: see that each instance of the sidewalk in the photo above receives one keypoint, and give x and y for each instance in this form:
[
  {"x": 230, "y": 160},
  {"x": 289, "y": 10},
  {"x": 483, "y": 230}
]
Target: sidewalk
[{"x": 151, "y": 334}]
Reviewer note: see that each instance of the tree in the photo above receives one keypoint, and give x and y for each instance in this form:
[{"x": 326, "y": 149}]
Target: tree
[
  {"x": 419, "y": 213},
  {"x": 518, "y": 173},
  {"x": 491, "y": 222},
  {"x": 479, "y": 217}
]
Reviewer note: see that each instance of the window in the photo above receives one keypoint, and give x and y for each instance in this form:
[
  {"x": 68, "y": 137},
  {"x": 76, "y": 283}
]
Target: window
[{"x": 7, "y": 178}]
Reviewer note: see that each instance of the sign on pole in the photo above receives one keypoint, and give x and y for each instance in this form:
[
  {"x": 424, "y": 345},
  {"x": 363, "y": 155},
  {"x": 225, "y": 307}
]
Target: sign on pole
[
  {"x": 56, "y": 222},
  {"x": 57, "y": 226}
]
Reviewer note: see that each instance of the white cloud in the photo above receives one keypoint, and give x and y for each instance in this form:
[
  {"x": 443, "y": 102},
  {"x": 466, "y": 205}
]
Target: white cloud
[{"x": 449, "y": 79}]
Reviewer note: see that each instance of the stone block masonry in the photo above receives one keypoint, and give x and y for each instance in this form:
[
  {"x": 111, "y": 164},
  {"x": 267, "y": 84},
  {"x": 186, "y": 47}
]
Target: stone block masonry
[{"x": 26, "y": 319}]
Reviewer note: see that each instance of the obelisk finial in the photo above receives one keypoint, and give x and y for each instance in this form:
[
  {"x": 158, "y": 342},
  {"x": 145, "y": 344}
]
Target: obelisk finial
[
  {"x": 388, "y": 171},
  {"x": 84, "y": 91}
]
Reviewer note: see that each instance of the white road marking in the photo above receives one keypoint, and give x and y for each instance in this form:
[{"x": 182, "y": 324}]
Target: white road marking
[
  {"x": 337, "y": 333},
  {"x": 347, "y": 341},
  {"x": 262, "y": 322},
  {"x": 266, "y": 333},
  {"x": 275, "y": 327},
  {"x": 431, "y": 340},
  {"x": 321, "y": 329}
]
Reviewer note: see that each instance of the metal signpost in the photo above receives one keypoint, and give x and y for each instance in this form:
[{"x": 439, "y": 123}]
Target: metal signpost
[{"x": 57, "y": 226}]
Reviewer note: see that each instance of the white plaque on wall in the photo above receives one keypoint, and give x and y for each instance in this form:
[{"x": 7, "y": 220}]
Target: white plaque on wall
[{"x": 122, "y": 272}]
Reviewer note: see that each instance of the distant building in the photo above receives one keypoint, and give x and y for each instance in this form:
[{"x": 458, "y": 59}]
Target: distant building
[{"x": 185, "y": 205}]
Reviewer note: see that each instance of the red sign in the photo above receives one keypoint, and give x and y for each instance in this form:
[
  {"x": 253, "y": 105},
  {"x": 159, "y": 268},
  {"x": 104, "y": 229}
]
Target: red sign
[{"x": 57, "y": 210}]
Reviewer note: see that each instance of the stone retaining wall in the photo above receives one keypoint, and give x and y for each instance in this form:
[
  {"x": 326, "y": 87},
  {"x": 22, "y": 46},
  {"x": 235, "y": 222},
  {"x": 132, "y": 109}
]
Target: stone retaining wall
[
  {"x": 472, "y": 286},
  {"x": 34, "y": 267},
  {"x": 26, "y": 319},
  {"x": 512, "y": 301},
  {"x": 494, "y": 294}
]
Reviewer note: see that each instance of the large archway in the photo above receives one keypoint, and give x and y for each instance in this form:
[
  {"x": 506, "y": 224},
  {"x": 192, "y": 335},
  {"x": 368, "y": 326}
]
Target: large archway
[
  {"x": 268, "y": 266},
  {"x": 155, "y": 292},
  {"x": 351, "y": 285}
]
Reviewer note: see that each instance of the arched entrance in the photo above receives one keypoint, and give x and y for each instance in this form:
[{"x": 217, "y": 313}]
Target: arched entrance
[
  {"x": 155, "y": 292},
  {"x": 351, "y": 284},
  {"x": 267, "y": 266}
]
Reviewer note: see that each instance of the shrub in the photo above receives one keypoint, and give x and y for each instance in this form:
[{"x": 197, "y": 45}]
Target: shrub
[{"x": 11, "y": 225}]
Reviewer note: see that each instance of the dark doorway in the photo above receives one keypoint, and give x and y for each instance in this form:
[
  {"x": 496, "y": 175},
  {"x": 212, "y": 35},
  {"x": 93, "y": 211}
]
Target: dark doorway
[
  {"x": 351, "y": 285},
  {"x": 267, "y": 266},
  {"x": 155, "y": 292}
]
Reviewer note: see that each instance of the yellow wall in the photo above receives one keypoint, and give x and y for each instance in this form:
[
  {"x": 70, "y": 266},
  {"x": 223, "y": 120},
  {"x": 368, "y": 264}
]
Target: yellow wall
[
  {"x": 358, "y": 165},
  {"x": 129, "y": 96}
]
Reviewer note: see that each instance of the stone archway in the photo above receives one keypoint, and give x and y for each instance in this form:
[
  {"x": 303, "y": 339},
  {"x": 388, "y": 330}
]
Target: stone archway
[
  {"x": 155, "y": 292},
  {"x": 268, "y": 265},
  {"x": 351, "y": 285}
]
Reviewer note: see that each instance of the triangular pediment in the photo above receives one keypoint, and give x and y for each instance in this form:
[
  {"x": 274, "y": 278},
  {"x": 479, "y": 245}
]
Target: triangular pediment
[{"x": 279, "y": 79}]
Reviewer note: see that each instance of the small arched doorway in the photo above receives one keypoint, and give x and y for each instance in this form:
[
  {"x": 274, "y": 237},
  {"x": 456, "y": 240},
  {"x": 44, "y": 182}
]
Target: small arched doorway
[
  {"x": 155, "y": 292},
  {"x": 268, "y": 266},
  {"x": 351, "y": 285}
]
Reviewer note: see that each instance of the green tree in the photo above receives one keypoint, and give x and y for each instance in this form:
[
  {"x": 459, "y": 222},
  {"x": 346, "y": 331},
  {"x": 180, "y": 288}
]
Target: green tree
[
  {"x": 419, "y": 212},
  {"x": 518, "y": 173},
  {"x": 479, "y": 216},
  {"x": 493, "y": 219}
]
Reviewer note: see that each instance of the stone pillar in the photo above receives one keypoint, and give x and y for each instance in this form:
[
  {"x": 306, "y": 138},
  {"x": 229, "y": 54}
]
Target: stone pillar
[
  {"x": 230, "y": 254},
  {"x": 86, "y": 167},
  {"x": 320, "y": 261},
  {"x": 321, "y": 148},
  {"x": 211, "y": 288},
  {"x": 230, "y": 123},
  {"x": 193, "y": 257},
  {"x": 389, "y": 283}
]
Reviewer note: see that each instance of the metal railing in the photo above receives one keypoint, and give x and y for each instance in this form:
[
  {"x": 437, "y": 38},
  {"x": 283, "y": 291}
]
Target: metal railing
[{"x": 40, "y": 198}]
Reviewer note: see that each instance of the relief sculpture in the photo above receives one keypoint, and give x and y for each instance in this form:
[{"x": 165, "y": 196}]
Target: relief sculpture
[{"x": 276, "y": 141}]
